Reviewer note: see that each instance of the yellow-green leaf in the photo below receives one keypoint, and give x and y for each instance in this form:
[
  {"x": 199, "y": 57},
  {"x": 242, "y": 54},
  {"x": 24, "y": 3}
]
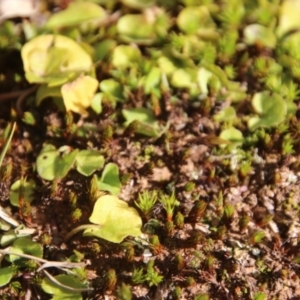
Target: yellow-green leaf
[
  {"x": 116, "y": 218},
  {"x": 54, "y": 59},
  {"x": 78, "y": 94}
]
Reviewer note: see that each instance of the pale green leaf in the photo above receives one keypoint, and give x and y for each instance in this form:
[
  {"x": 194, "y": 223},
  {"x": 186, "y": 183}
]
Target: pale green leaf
[
  {"x": 54, "y": 59},
  {"x": 271, "y": 110},
  {"x": 54, "y": 164},
  {"x": 192, "y": 19},
  {"x": 116, "y": 218},
  {"x": 129, "y": 27},
  {"x": 232, "y": 135},
  {"x": 88, "y": 161},
  {"x": 78, "y": 94}
]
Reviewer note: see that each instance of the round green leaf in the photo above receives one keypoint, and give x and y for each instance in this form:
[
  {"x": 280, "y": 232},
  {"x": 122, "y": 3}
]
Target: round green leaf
[
  {"x": 136, "y": 28},
  {"x": 226, "y": 115},
  {"x": 233, "y": 135},
  {"x": 116, "y": 218},
  {"x": 54, "y": 59},
  {"x": 271, "y": 110},
  {"x": 54, "y": 164},
  {"x": 88, "y": 161},
  {"x": 21, "y": 188},
  {"x": 192, "y": 19}
]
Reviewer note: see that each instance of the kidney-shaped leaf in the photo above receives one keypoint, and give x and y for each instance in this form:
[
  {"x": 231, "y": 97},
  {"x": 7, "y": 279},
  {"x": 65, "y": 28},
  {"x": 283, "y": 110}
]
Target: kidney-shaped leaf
[
  {"x": 76, "y": 13},
  {"x": 54, "y": 164},
  {"x": 88, "y": 161},
  {"x": 78, "y": 94},
  {"x": 271, "y": 110},
  {"x": 54, "y": 59},
  {"x": 233, "y": 135},
  {"x": 116, "y": 218},
  {"x": 136, "y": 28},
  {"x": 192, "y": 19}
]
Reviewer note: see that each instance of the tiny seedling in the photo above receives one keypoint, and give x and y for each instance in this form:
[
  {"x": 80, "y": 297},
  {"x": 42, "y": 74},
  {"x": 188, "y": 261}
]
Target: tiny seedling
[
  {"x": 138, "y": 276},
  {"x": 124, "y": 292},
  {"x": 197, "y": 211},
  {"x": 110, "y": 279},
  {"x": 10, "y": 129},
  {"x": 151, "y": 276},
  {"x": 169, "y": 202},
  {"x": 257, "y": 237},
  {"x": 155, "y": 244},
  {"x": 146, "y": 201},
  {"x": 179, "y": 220}
]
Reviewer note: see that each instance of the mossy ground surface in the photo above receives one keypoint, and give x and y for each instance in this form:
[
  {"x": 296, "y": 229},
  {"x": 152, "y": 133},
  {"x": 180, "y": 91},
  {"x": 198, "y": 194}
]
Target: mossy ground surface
[{"x": 242, "y": 243}]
